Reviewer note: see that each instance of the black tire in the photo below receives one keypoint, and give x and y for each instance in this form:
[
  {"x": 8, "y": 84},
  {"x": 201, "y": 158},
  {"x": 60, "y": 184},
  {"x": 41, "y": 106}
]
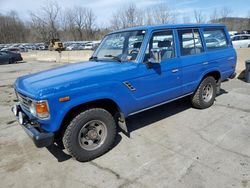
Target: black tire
[
  {"x": 73, "y": 133},
  {"x": 11, "y": 61},
  {"x": 198, "y": 100}
]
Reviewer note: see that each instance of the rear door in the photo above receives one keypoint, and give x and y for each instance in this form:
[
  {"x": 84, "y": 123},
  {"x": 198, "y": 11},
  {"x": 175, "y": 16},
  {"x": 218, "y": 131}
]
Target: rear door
[
  {"x": 245, "y": 41},
  {"x": 193, "y": 57},
  {"x": 220, "y": 55}
]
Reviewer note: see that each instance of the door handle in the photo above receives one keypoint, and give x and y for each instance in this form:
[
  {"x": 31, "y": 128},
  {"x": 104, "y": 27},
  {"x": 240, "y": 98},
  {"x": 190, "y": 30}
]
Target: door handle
[
  {"x": 175, "y": 70},
  {"x": 205, "y": 63}
]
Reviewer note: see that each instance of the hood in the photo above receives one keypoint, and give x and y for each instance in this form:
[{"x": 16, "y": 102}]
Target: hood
[{"x": 72, "y": 75}]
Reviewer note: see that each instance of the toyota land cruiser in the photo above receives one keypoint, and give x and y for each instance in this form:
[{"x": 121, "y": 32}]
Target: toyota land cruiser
[{"x": 132, "y": 70}]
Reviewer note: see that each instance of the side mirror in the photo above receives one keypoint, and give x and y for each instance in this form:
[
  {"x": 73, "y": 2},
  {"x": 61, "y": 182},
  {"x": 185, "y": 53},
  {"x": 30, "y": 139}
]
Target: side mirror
[{"x": 155, "y": 56}]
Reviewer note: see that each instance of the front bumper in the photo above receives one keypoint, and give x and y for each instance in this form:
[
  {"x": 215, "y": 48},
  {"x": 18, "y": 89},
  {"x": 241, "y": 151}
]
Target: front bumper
[{"x": 39, "y": 137}]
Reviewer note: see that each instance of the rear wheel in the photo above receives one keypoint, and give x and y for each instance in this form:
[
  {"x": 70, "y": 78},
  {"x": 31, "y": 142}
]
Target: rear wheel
[
  {"x": 90, "y": 134},
  {"x": 205, "y": 94}
]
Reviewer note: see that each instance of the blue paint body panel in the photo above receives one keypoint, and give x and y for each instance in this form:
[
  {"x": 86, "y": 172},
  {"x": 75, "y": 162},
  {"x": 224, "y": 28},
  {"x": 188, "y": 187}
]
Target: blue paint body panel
[{"x": 89, "y": 81}]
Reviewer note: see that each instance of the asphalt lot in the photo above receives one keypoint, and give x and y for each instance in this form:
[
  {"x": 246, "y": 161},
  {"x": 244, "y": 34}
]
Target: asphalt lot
[{"x": 170, "y": 146}]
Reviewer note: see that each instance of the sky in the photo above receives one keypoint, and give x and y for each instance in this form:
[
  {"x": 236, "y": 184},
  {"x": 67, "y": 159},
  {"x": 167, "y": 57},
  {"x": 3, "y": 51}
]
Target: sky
[{"x": 104, "y": 9}]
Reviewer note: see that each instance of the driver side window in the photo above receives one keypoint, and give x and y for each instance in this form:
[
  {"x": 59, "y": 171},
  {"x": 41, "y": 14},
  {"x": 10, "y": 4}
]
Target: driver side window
[{"x": 162, "y": 41}]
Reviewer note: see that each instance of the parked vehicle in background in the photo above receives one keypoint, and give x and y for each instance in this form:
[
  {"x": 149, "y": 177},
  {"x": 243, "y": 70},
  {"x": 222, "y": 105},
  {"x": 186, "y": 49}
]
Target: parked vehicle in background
[
  {"x": 241, "y": 41},
  {"x": 75, "y": 46},
  {"x": 9, "y": 57},
  {"x": 14, "y": 49},
  {"x": 56, "y": 44},
  {"x": 132, "y": 70},
  {"x": 232, "y": 33},
  {"x": 88, "y": 46},
  {"x": 212, "y": 42},
  {"x": 2, "y": 46}
]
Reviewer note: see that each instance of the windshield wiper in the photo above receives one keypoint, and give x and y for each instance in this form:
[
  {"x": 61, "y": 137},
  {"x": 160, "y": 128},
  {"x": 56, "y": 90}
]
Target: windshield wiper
[
  {"x": 95, "y": 58},
  {"x": 114, "y": 57}
]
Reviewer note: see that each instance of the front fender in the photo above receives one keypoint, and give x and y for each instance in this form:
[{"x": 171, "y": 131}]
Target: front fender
[{"x": 116, "y": 92}]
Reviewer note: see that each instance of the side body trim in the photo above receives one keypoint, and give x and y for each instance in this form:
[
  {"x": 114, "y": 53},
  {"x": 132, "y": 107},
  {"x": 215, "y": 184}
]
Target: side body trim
[{"x": 165, "y": 102}]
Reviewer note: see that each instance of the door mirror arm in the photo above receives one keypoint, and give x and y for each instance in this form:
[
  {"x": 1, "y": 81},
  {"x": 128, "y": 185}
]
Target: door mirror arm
[{"x": 155, "y": 58}]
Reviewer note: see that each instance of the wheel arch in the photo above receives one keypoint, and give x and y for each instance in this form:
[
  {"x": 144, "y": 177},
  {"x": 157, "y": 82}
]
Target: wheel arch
[
  {"x": 214, "y": 73},
  {"x": 108, "y": 104}
]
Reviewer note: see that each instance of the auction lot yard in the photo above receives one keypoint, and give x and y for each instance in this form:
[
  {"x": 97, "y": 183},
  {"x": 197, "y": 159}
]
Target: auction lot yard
[{"x": 170, "y": 146}]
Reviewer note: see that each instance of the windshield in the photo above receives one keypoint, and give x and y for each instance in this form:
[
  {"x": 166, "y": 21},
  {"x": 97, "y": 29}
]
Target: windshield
[{"x": 123, "y": 46}]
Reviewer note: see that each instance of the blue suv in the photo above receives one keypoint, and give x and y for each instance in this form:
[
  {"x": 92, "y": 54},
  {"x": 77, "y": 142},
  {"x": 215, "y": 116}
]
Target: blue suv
[{"x": 132, "y": 70}]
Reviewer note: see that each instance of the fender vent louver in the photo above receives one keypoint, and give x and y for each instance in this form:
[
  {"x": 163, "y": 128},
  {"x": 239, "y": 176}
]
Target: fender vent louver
[{"x": 129, "y": 85}]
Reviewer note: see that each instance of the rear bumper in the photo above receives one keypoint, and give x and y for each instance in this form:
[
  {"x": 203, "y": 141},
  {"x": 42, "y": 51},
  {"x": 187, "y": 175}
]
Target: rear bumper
[{"x": 39, "y": 137}]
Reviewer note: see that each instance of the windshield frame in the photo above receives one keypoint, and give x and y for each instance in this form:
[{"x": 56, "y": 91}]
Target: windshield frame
[{"x": 138, "y": 57}]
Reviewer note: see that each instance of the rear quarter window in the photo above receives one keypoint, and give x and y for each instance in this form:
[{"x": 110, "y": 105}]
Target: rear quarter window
[{"x": 215, "y": 39}]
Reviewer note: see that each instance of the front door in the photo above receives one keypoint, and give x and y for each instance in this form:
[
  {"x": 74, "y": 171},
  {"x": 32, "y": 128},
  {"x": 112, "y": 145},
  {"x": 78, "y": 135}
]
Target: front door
[{"x": 162, "y": 81}]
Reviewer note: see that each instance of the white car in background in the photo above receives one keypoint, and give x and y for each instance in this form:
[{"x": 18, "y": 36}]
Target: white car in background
[
  {"x": 241, "y": 41},
  {"x": 88, "y": 46}
]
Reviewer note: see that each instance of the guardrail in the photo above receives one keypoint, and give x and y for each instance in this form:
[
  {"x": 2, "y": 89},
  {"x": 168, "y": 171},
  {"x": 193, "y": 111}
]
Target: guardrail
[{"x": 64, "y": 56}]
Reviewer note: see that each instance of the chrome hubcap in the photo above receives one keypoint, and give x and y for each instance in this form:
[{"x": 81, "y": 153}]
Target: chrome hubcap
[
  {"x": 207, "y": 92},
  {"x": 92, "y": 135}
]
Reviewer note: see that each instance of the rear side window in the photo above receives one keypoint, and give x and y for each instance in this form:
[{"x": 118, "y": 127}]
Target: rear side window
[
  {"x": 215, "y": 39},
  {"x": 245, "y": 37},
  {"x": 190, "y": 42},
  {"x": 236, "y": 38}
]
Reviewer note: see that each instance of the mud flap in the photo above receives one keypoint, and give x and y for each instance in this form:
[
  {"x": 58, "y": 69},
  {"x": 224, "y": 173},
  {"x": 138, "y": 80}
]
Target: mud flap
[
  {"x": 122, "y": 123},
  {"x": 218, "y": 84}
]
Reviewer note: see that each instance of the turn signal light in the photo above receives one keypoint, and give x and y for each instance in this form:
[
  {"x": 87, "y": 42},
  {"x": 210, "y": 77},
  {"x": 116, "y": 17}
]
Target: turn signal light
[
  {"x": 64, "y": 99},
  {"x": 42, "y": 108}
]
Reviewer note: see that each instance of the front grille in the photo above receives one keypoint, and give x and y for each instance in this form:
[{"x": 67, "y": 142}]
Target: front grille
[{"x": 25, "y": 101}]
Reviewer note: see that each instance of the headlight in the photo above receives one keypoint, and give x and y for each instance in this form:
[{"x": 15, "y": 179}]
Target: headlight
[
  {"x": 40, "y": 109},
  {"x": 33, "y": 108}
]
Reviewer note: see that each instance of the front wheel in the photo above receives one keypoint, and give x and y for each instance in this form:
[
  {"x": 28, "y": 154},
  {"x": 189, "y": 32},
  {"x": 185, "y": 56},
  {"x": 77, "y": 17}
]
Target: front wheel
[
  {"x": 11, "y": 60},
  {"x": 90, "y": 134},
  {"x": 205, "y": 94}
]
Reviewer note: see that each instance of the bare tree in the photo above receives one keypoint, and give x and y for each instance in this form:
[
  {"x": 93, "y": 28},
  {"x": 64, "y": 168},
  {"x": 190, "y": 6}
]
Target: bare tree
[
  {"x": 225, "y": 12},
  {"x": 89, "y": 23},
  {"x": 199, "y": 17},
  {"x": 214, "y": 17},
  {"x": 162, "y": 14},
  {"x": 148, "y": 16},
  {"x": 79, "y": 22},
  {"x": 128, "y": 17},
  {"x": 68, "y": 24},
  {"x": 12, "y": 28},
  {"x": 115, "y": 22},
  {"x": 46, "y": 21},
  {"x": 79, "y": 19},
  {"x": 132, "y": 16},
  {"x": 248, "y": 24}
]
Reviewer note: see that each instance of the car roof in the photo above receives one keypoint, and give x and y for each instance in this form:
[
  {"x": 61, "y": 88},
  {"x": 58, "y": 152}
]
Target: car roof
[{"x": 168, "y": 26}]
